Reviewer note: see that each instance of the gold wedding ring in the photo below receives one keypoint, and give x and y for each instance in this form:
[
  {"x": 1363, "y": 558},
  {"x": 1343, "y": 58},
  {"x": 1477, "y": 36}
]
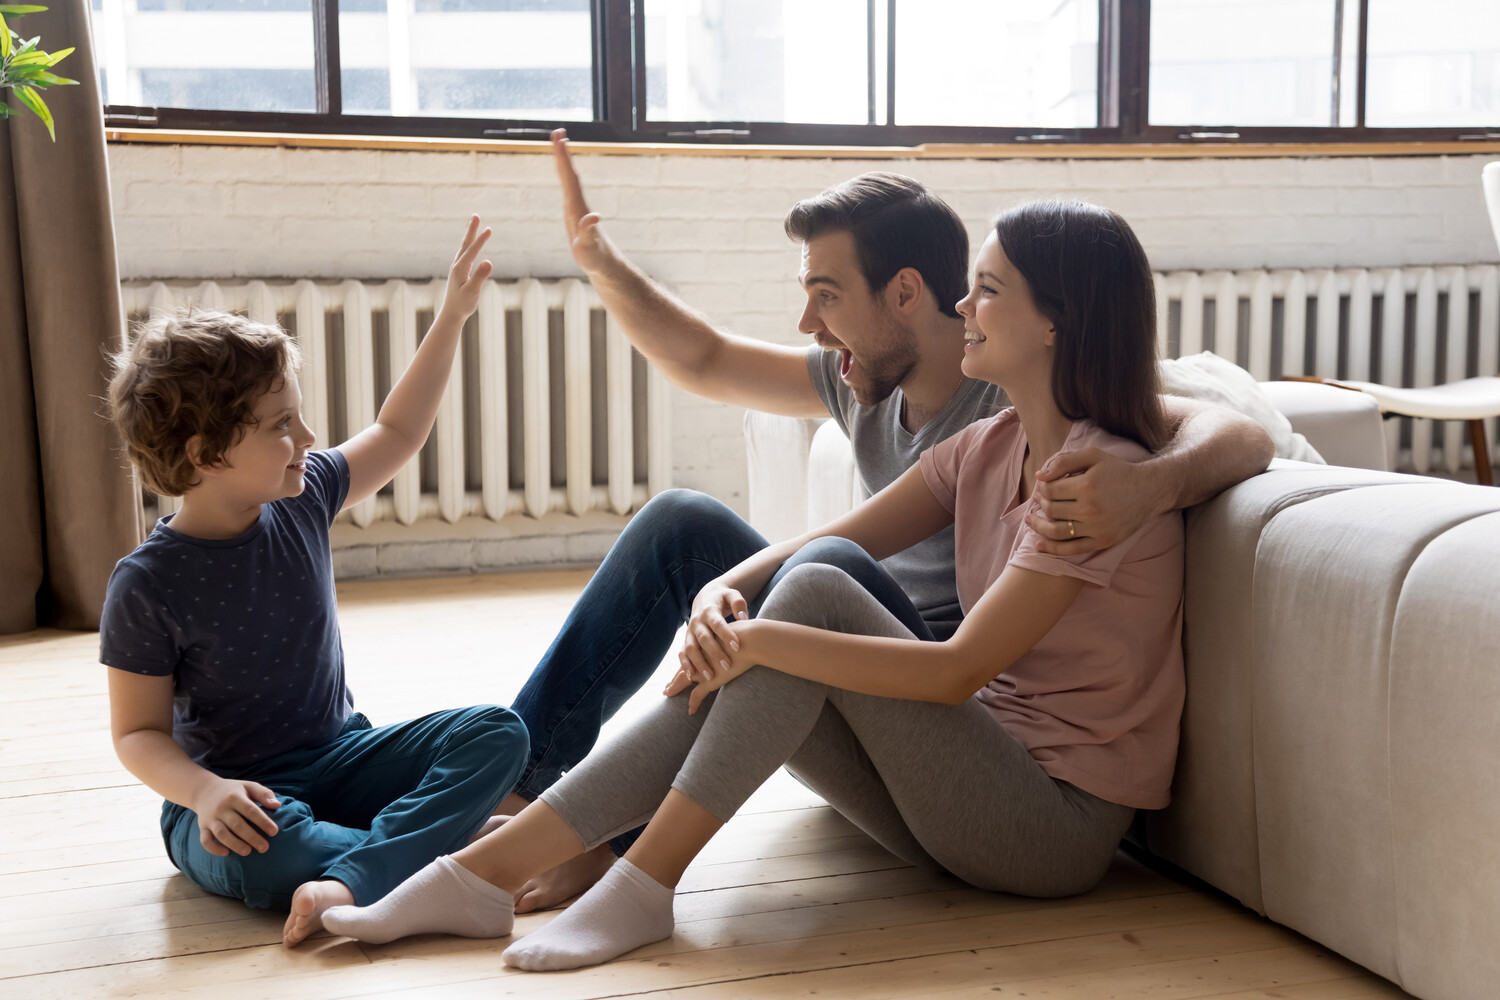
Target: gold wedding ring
[{"x": 1071, "y": 533}]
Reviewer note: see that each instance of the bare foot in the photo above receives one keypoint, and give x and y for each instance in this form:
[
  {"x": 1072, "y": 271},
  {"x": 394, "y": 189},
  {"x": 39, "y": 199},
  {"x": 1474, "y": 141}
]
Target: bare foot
[
  {"x": 308, "y": 904},
  {"x": 565, "y": 881}
]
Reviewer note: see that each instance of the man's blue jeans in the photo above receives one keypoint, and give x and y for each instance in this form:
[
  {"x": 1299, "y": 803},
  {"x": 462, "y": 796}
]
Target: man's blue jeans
[{"x": 623, "y": 624}]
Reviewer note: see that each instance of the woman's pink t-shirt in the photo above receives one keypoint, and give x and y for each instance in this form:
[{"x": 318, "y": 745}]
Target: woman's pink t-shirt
[{"x": 1098, "y": 700}]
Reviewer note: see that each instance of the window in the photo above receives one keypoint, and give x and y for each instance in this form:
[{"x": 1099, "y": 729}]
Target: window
[
  {"x": 896, "y": 72},
  {"x": 1434, "y": 63},
  {"x": 1242, "y": 62}
]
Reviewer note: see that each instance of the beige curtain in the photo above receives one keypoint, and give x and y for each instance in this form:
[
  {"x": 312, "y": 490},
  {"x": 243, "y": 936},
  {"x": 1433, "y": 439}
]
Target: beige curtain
[{"x": 68, "y": 505}]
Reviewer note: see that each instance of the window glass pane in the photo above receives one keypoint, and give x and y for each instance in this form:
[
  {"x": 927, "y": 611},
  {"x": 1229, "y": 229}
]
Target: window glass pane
[
  {"x": 1242, "y": 62},
  {"x": 468, "y": 58},
  {"x": 1433, "y": 63},
  {"x": 240, "y": 55},
  {"x": 1026, "y": 63},
  {"x": 757, "y": 60}
]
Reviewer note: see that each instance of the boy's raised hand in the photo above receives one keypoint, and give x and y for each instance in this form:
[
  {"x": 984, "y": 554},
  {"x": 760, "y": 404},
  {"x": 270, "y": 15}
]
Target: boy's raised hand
[{"x": 466, "y": 278}]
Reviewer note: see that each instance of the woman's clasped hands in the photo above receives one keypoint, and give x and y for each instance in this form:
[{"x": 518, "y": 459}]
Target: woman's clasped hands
[{"x": 714, "y": 650}]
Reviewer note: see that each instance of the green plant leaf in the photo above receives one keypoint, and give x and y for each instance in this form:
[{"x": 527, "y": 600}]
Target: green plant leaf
[
  {"x": 4, "y": 40},
  {"x": 31, "y": 59},
  {"x": 5, "y": 112},
  {"x": 34, "y": 101},
  {"x": 28, "y": 45},
  {"x": 20, "y": 8},
  {"x": 45, "y": 79},
  {"x": 60, "y": 55}
]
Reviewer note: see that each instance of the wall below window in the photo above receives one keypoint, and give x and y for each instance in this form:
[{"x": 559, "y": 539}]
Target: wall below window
[{"x": 710, "y": 227}]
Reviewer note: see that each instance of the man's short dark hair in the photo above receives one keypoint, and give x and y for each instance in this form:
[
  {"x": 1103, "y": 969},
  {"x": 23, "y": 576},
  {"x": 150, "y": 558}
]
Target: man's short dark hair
[{"x": 896, "y": 222}]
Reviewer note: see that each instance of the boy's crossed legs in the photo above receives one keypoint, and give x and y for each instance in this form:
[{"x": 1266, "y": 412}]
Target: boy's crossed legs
[{"x": 361, "y": 813}]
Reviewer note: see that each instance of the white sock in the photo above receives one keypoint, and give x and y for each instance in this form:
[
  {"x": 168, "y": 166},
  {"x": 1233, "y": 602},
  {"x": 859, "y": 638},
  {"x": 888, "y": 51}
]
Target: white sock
[
  {"x": 626, "y": 909},
  {"x": 442, "y": 898}
]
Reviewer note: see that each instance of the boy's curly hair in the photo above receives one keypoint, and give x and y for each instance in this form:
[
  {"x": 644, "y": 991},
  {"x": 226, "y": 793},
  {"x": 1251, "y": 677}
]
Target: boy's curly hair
[{"x": 192, "y": 372}]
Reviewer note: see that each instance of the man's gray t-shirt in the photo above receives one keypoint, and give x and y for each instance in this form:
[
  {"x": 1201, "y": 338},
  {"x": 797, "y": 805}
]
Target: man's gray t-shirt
[{"x": 883, "y": 450}]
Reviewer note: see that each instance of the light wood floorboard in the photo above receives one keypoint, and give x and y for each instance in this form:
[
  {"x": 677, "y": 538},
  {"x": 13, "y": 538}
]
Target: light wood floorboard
[{"x": 790, "y": 900}]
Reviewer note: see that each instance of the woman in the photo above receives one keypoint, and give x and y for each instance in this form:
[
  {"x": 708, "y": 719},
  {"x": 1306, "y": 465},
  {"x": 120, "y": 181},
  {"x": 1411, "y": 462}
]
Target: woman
[{"x": 1012, "y": 755}]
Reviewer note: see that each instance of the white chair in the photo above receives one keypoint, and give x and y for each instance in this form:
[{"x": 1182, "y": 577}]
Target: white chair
[{"x": 1474, "y": 400}]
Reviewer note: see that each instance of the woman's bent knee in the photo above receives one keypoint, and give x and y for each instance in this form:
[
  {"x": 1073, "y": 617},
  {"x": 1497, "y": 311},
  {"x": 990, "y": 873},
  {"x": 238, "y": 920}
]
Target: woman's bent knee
[{"x": 831, "y": 550}]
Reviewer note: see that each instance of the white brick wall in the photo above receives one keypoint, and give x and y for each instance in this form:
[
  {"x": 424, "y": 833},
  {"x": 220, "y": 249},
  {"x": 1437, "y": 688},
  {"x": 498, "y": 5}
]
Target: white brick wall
[{"x": 710, "y": 227}]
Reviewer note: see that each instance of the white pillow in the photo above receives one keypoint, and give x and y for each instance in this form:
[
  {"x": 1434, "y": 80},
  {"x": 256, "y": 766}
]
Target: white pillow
[{"x": 1211, "y": 378}]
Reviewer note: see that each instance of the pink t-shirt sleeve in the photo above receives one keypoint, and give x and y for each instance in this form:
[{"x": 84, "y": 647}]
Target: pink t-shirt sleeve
[{"x": 941, "y": 462}]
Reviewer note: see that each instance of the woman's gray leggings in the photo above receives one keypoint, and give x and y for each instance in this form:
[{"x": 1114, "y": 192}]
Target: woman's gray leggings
[{"x": 937, "y": 785}]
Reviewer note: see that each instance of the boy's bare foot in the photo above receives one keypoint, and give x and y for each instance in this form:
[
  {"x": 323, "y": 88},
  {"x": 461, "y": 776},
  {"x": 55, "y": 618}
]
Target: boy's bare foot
[
  {"x": 308, "y": 904},
  {"x": 565, "y": 881}
]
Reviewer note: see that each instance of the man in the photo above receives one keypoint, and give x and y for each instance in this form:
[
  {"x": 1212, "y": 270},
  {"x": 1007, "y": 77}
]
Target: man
[{"x": 884, "y": 262}]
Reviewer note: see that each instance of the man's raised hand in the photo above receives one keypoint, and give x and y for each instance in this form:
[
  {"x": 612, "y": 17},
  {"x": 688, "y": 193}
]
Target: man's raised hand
[{"x": 590, "y": 247}]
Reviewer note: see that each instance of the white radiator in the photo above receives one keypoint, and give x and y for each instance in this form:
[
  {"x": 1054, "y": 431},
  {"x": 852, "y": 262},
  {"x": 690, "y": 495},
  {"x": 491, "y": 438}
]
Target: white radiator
[
  {"x": 580, "y": 437},
  {"x": 1413, "y": 326}
]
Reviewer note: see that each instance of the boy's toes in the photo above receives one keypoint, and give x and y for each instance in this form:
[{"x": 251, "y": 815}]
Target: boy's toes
[{"x": 308, "y": 904}]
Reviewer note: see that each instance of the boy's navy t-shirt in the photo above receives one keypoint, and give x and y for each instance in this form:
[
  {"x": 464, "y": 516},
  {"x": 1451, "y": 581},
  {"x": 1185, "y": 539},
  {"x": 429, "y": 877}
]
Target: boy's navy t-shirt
[{"x": 246, "y": 627}]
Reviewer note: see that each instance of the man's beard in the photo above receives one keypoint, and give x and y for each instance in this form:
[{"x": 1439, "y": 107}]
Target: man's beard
[{"x": 888, "y": 369}]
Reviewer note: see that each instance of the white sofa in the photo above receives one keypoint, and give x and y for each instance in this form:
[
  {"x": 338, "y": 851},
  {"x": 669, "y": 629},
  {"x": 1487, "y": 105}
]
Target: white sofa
[{"x": 1340, "y": 762}]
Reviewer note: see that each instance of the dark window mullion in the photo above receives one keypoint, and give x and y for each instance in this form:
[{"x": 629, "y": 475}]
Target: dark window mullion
[
  {"x": 614, "y": 62},
  {"x": 640, "y": 99},
  {"x": 1132, "y": 68},
  {"x": 327, "y": 68},
  {"x": 1362, "y": 68}
]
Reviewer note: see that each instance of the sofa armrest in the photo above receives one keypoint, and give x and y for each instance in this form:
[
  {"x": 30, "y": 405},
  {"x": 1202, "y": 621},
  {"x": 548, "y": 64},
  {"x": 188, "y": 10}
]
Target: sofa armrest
[
  {"x": 833, "y": 488},
  {"x": 776, "y": 453}
]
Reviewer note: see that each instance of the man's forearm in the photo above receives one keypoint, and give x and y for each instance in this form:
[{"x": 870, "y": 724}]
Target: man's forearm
[
  {"x": 1211, "y": 449},
  {"x": 670, "y": 334}
]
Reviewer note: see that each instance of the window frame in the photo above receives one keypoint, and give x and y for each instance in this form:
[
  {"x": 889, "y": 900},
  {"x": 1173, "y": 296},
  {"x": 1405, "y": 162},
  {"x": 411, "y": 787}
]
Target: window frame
[{"x": 619, "y": 91}]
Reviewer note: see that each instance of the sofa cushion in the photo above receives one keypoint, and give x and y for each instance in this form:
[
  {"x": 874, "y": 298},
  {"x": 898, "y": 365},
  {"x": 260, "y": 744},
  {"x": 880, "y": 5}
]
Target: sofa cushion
[{"x": 1445, "y": 764}]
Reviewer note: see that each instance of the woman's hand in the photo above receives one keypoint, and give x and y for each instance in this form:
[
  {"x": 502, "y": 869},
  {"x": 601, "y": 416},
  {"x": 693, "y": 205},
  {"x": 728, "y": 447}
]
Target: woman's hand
[
  {"x": 710, "y": 643},
  {"x": 231, "y": 817},
  {"x": 704, "y": 682}
]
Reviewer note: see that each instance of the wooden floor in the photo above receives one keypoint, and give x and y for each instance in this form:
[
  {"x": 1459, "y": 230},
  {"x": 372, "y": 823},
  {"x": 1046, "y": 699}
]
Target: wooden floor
[{"x": 789, "y": 900}]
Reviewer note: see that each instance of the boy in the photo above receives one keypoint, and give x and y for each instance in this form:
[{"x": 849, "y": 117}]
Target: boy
[{"x": 226, "y": 686}]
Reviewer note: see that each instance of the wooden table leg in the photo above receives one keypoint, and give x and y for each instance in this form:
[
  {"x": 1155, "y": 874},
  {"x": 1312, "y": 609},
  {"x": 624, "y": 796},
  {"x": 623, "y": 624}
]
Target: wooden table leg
[{"x": 1481, "y": 453}]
